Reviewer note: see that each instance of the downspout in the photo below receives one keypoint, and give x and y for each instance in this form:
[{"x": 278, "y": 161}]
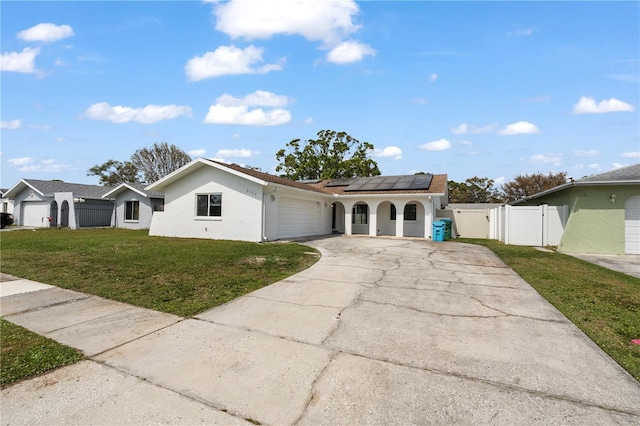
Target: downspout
[{"x": 264, "y": 212}]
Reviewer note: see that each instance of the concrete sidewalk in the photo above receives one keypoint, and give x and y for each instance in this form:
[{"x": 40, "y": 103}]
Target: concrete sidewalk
[
  {"x": 379, "y": 331},
  {"x": 626, "y": 263}
]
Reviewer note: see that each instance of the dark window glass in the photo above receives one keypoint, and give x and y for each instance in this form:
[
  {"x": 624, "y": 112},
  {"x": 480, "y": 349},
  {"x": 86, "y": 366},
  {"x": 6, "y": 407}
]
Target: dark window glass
[
  {"x": 410, "y": 212},
  {"x": 132, "y": 210},
  {"x": 359, "y": 214},
  {"x": 203, "y": 205}
]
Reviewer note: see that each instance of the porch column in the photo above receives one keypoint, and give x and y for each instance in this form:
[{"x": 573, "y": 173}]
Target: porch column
[
  {"x": 428, "y": 219},
  {"x": 348, "y": 217},
  {"x": 373, "y": 218},
  {"x": 400, "y": 218}
]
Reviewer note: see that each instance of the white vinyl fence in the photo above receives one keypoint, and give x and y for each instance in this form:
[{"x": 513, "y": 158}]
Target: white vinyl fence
[{"x": 528, "y": 225}]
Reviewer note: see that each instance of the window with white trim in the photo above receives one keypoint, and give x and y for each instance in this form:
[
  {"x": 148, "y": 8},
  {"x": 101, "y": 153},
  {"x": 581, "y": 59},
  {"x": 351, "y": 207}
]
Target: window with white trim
[
  {"x": 132, "y": 211},
  {"x": 209, "y": 205},
  {"x": 359, "y": 214}
]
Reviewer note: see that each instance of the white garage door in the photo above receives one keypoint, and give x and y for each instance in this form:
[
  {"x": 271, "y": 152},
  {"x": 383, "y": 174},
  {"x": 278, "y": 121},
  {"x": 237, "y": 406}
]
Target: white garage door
[
  {"x": 297, "y": 218},
  {"x": 35, "y": 213},
  {"x": 632, "y": 226}
]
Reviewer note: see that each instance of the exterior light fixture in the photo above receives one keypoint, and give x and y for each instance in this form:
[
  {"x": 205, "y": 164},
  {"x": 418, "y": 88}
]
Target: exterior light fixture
[{"x": 612, "y": 198}]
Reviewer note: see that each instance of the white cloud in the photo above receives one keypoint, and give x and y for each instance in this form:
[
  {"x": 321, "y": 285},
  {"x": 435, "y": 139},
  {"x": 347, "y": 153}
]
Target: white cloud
[
  {"x": 308, "y": 121},
  {"x": 419, "y": 101},
  {"x": 632, "y": 154},
  {"x": 12, "y": 125},
  {"x": 326, "y": 21},
  {"x": 231, "y": 110},
  {"x": 433, "y": 77},
  {"x": 521, "y": 32},
  {"x": 236, "y": 153},
  {"x": 45, "y": 166},
  {"x": 236, "y": 136},
  {"x": 631, "y": 78},
  {"x": 348, "y": 52},
  {"x": 147, "y": 115},
  {"x": 586, "y": 153},
  {"x": 197, "y": 152},
  {"x": 594, "y": 166},
  {"x": 24, "y": 61},
  {"x": 520, "y": 128},
  {"x": 220, "y": 114},
  {"x": 390, "y": 151},
  {"x": 40, "y": 126},
  {"x": 228, "y": 60},
  {"x": 466, "y": 143},
  {"x": 499, "y": 181},
  {"x": 555, "y": 159},
  {"x": 464, "y": 128},
  {"x": 20, "y": 161},
  {"x": 257, "y": 98},
  {"x": 46, "y": 32},
  {"x": 617, "y": 165},
  {"x": 439, "y": 145},
  {"x": 587, "y": 105}
]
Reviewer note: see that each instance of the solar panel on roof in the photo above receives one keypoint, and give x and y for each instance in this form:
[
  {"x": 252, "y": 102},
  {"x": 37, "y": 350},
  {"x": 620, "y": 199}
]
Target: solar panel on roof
[
  {"x": 341, "y": 182},
  {"x": 384, "y": 183}
]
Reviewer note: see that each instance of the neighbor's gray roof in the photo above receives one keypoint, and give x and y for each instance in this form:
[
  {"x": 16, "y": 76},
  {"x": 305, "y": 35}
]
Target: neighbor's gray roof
[
  {"x": 629, "y": 173},
  {"x": 48, "y": 187}
]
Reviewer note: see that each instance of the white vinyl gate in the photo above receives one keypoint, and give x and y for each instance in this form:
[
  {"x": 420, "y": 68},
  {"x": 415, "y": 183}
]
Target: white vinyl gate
[
  {"x": 528, "y": 225},
  {"x": 297, "y": 218},
  {"x": 35, "y": 213},
  {"x": 632, "y": 226}
]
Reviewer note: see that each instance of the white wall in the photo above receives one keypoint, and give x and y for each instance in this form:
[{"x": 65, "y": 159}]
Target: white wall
[{"x": 241, "y": 208}]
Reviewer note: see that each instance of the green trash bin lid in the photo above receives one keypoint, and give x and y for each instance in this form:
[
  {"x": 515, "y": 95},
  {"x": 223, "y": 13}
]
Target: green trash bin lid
[{"x": 445, "y": 219}]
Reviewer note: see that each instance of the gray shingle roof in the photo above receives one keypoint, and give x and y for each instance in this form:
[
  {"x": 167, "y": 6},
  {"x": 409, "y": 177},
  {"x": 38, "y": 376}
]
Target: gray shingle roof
[
  {"x": 629, "y": 173},
  {"x": 141, "y": 187},
  {"x": 48, "y": 187}
]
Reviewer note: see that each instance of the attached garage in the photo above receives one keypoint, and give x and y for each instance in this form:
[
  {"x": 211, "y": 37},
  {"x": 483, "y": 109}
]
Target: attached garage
[
  {"x": 297, "y": 218},
  {"x": 35, "y": 213},
  {"x": 632, "y": 226}
]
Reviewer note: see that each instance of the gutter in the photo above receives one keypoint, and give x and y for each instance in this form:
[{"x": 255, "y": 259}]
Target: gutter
[{"x": 264, "y": 211}]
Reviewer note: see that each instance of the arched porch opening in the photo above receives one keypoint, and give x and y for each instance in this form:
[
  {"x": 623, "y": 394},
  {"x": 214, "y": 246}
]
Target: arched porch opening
[
  {"x": 413, "y": 219},
  {"x": 53, "y": 214},
  {"x": 64, "y": 214},
  {"x": 360, "y": 218},
  {"x": 338, "y": 218},
  {"x": 386, "y": 218}
]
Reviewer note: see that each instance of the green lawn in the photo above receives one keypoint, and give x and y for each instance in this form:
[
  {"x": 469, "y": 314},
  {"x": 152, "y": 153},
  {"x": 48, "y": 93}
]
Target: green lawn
[
  {"x": 604, "y": 304},
  {"x": 173, "y": 275},
  {"x": 26, "y": 354}
]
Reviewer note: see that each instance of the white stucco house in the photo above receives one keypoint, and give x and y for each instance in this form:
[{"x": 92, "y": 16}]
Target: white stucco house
[
  {"x": 134, "y": 205},
  {"x": 209, "y": 199},
  {"x": 43, "y": 204}
]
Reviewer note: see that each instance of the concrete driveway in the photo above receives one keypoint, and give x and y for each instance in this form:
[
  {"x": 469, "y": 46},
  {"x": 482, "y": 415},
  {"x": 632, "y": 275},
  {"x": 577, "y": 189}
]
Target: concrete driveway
[{"x": 379, "y": 331}]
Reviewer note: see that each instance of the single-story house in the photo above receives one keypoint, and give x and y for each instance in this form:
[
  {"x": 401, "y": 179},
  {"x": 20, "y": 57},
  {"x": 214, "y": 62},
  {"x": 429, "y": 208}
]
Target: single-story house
[
  {"x": 603, "y": 212},
  {"x": 134, "y": 205},
  {"x": 209, "y": 199},
  {"x": 43, "y": 203},
  {"x": 7, "y": 204}
]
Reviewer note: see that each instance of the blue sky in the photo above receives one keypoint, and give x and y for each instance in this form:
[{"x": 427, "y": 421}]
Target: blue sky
[{"x": 488, "y": 89}]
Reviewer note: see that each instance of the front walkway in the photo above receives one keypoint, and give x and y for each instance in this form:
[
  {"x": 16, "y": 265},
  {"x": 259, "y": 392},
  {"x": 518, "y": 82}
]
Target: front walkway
[{"x": 379, "y": 331}]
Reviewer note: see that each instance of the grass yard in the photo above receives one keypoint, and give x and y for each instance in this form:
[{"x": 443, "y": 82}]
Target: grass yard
[
  {"x": 178, "y": 276},
  {"x": 26, "y": 354},
  {"x": 604, "y": 304}
]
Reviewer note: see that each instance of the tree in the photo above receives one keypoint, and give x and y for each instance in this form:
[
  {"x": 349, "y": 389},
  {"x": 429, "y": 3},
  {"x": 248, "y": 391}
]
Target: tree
[
  {"x": 473, "y": 190},
  {"x": 146, "y": 165},
  {"x": 332, "y": 155},
  {"x": 526, "y": 185},
  {"x": 158, "y": 161},
  {"x": 113, "y": 173}
]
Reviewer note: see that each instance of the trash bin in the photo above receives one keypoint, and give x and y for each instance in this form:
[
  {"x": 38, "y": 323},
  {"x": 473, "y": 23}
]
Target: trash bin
[
  {"x": 438, "y": 230},
  {"x": 447, "y": 227}
]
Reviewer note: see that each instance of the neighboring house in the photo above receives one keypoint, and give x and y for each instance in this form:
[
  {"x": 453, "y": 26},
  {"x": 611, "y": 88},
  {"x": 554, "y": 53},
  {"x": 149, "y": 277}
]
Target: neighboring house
[
  {"x": 43, "y": 203},
  {"x": 7, "y": 204},
  {"x": 208, "y": 199},
  {"x": 134, "y": 205},
  {"x": 603, "y": 212}
]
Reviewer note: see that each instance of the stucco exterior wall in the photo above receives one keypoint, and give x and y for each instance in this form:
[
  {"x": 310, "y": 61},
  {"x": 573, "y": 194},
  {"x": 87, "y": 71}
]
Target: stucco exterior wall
[
  {"x": 146, "y": 210},
  {"x": 241, "y": 208},
  {"x": 595, "y": 225}
]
